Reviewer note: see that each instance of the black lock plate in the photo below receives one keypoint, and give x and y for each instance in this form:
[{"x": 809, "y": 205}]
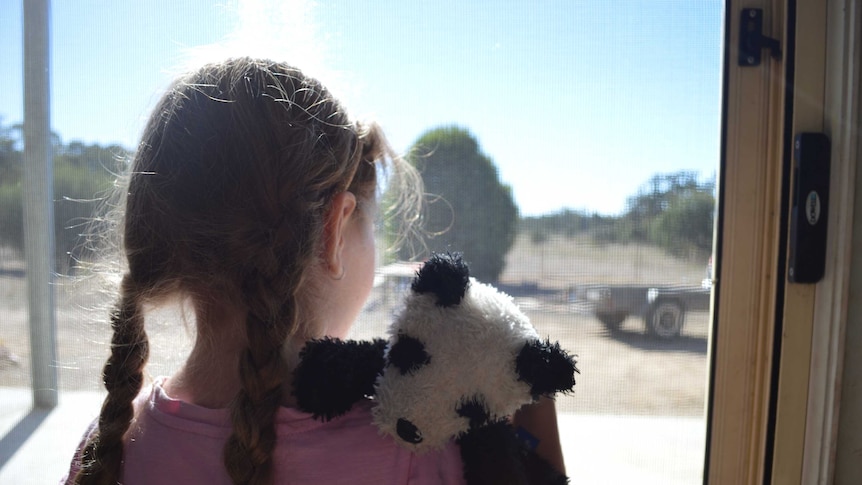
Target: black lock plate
[{"x": 811, "y": 153}]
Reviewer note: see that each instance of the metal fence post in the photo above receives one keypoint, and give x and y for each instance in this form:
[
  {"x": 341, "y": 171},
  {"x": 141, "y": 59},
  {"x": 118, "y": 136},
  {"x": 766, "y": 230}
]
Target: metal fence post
[{"x": 38, "y": 193}]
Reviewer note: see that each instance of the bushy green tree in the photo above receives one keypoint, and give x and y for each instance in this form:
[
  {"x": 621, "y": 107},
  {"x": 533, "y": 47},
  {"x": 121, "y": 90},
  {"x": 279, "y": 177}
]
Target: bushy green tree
[
  {"x": 10, "y": 153},
  {"x": 83, "y": 174},
  {"x": 468, "y": 208},
  {"x": 673, "y": 211},
  {"x": 686, "y": 226},
  {"x": 11, "y": 165}
]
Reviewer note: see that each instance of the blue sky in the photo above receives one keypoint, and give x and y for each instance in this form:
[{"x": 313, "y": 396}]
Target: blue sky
[{"x": 577, "y": 102}]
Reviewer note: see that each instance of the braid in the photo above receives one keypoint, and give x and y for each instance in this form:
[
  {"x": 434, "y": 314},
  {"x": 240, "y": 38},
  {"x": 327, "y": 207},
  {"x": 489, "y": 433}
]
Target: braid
[
  {"x": 123, "y": 377},
  {"x": 248, "y": 451},
  {"x": 271, "y": 296}
]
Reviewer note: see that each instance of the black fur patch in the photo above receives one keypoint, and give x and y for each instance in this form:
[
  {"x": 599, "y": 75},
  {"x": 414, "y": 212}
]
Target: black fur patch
[
  {"x": 408, "y": 432},
  {"x": 546, "y": 367},
  {"x": 333, "y": 374},
  {"x": 474, "y": 410},
  {"x": 445, "y": 275},
  {"x": 408, "y": 354}
]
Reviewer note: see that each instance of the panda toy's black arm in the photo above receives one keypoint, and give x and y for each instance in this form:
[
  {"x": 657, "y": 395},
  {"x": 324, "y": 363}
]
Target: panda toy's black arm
[
  {"x": 494, "y": 455},
  {"x": 332, "y": 375}
]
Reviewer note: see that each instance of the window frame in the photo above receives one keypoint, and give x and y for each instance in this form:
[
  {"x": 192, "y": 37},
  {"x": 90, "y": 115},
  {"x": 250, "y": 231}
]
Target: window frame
[
  {"x": 747, "y": 248},
  {"x": 777, "y": 347}
]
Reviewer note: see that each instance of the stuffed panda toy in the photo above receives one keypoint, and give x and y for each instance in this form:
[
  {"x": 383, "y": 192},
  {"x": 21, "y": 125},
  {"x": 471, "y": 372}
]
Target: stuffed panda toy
[{"x": 461, "y": 358}]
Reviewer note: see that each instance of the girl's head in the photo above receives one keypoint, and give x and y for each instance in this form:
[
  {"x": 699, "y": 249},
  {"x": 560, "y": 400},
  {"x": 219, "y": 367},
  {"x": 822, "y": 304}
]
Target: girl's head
[
  {"x": 251, "y": 188},
  {"x": 233, "y": 181}
]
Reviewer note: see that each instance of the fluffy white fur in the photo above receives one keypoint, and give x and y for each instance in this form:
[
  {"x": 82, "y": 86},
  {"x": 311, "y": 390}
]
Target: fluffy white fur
[{"x": 472, "y": 348}]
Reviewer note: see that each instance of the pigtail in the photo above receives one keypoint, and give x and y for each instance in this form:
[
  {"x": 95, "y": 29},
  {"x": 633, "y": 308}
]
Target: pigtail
[
  {"x": 271, "y": 317},
  {"x": 102, "y": 457},
  {"x": 248, "y": 451}
]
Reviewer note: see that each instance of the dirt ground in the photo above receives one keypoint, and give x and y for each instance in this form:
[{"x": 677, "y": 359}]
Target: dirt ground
[{"x": 625, "y": 372}]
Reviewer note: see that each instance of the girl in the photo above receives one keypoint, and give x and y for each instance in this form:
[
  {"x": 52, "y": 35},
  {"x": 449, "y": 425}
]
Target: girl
[{"x": 251, "y": 197}]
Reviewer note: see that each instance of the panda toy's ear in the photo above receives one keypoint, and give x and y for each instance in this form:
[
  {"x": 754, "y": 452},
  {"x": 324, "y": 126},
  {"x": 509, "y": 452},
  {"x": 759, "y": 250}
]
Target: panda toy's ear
[
  {"x": 546, "y": 368},
  {"x": 445, "y": 275}
]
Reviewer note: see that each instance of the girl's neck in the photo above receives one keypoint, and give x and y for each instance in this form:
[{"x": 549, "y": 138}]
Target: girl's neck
[
  {"x": 210, "y": 375},
  {"x": 204, "y": 381}
]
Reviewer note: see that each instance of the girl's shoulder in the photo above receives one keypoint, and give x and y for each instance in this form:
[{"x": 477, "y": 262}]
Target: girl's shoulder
[
  {"x": 308, "y": 450},
  {"x": 352, "y": 446},
  {"x": 168, "y": 434}
]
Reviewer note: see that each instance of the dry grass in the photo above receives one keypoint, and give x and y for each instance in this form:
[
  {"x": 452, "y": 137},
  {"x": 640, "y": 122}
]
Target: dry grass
[{"x": 562, "y": 262}]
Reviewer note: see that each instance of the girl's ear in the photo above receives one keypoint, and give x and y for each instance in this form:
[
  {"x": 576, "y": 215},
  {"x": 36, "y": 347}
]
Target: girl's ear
[{"x": 341, "y": 208}]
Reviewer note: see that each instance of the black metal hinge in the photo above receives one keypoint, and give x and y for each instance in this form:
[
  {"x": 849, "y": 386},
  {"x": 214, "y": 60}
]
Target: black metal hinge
[{"x": 752, "y": 41}]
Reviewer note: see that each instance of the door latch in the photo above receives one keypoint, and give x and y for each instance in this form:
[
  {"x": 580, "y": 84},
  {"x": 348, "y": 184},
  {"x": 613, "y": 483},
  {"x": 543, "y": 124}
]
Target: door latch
[
  {"x": 810, "y": 211},
  {"x": 752, "y": 41}
]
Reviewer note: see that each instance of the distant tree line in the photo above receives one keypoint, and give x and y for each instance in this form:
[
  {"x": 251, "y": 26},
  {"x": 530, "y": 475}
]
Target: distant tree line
[
  {"x": 673, "y": 211},
  {"x": 468, "y": 207},
  {"x": 83, "y": 174}
]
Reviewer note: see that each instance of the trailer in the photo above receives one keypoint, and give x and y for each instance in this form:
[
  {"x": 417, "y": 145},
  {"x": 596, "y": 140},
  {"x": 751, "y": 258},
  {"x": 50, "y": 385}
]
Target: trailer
[{"x": 662, "y": 307}]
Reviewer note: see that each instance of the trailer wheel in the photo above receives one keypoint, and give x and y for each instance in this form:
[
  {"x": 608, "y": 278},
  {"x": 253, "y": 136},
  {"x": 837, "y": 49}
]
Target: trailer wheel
[
  {"x": 665, "y": 319},
  {"x": 612, "y": 320}
]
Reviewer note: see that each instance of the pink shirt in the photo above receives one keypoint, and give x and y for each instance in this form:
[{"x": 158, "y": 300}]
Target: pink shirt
[{"x": 177, "y": 442}]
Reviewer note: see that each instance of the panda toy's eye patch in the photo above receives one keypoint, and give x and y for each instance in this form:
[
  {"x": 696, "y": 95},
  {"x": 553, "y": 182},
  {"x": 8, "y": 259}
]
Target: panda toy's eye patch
[
  {"x": 408, "y": 432},
  {"x": 475, "y": 410},
  {"x": 408, "y": 354}
]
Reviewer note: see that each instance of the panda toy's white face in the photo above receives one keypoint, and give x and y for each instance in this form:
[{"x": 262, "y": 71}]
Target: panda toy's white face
[{"x": 460, "y": 354}]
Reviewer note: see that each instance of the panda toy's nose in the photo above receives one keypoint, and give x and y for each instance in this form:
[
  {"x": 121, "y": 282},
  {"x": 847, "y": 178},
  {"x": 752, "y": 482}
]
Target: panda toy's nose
[{"x": 408, "y": 431}]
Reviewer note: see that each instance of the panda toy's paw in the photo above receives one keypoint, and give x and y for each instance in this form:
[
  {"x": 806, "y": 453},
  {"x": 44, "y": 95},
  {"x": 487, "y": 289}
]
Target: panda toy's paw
[{"x": 333, "y": 374}]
